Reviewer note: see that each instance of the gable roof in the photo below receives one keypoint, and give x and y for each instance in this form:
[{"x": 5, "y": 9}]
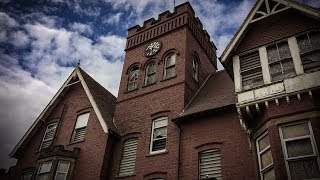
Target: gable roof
[
  {"x": 216, "y": 92},
  {"x": 289, "y": 3},
  {"x": 102, "y": 101}
]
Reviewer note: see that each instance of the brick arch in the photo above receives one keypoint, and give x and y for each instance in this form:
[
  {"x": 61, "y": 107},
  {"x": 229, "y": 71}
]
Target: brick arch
[
  {"x": 136, "y": 64},
  {"x": 154, "y": 175}
]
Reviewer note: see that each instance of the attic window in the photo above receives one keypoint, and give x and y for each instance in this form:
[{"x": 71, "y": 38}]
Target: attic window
[
  {"x": 309, "y": 45},
  {"x": 251, "y": 71},
  {"x": 80, "y": 127},
  {"x": 49, "y": 135}
]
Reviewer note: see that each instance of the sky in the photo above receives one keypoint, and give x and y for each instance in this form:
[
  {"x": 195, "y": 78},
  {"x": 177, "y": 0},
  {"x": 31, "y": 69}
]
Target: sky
[{"x": 41, "y": 42}]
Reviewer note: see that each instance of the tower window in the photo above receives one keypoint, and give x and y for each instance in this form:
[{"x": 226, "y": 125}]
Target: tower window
[
  {"x": 195, "y": 69},
  {"x": 150, "y": 77},
  {"x": 49, "y": 135},
  {"x": 159, "y": 135},
  {"x": 280, "y": 61},
  {"x": 133, "y": 77},
  {"x": 170, "y": 62},
  {"x": 80, "y": 128}
]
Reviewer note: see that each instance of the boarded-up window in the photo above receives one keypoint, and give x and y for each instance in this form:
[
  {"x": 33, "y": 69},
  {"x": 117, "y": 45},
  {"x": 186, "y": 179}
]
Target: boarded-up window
[
  {"x": 280, "y": 62},
  {"x": 80, "y": 127},
  {"x": 170, "y": 63},
  {"x": 159, "y": 135},
  {"x": 150, "y": 73},
  {"x": 251, "y": 72},
  {"x": 49, "y": 135},
  {"x": 210, "y": 164},
  {"x": 300, "y": 151},
  {"x": 128, "y": 162},
  {"x": 133, "y": 77},
  {"x": 309, "y": 45},
  {"x": 265, "y": 158}
]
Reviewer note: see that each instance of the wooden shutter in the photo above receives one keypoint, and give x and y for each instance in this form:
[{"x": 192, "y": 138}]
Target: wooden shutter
[
  {"x": 210, "y": 164},
  {"x": 128, "y": 162},
  {"x": 49, "y": 135},
  {"x": 251, "y": 71}
]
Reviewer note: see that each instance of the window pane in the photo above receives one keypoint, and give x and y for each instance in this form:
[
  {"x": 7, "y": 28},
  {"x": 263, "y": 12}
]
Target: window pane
[
  {"x": 160, "y": 123},
  {"x": 304, "y": 44},
  {"x": 299, "y": 147},
  {"x": 151, "y": 68},
  {"x": 269, "y": 175},
  {"x": 159, "y": 144},
  {"x": 311, "y": 61},
  {"x": 60, "y": 176},
  {"x": 170, "y": 72},
  {"x": 27, "y": 176},
  {"x": 160, "y": 133},
  {"x": 82, "y": 120},
  {"x": 284, "y": 50},
  {"x": 266, "y": 159},
  {"x": 295, "y": 130},
  {"x": 263, "y": 143},
  {"x": 273, "y": 55},
  {"x": 45, "y": 167},
  {"x": 288, "y": 68},
  {"x": 43, "y": 176},
  {"x": 276, "y": 71},
  {"x": 151, "y": 79},
  {"x": 63, "y": 166},
  {"x": 171, "y": 60},
  {"x": 315, "y": 40},
  {"x": 304, "y": 169}
]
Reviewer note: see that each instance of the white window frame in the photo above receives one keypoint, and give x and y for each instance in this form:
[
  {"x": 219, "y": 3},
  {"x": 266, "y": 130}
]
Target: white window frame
[
  {"x": 66, "y": 173},
  {"x": 284, "y": 149},
  {"x": 152, "y": 139},
  {"x": 75, "y": 128},
  {"x": 49, "y": 139},
  {"x": 259, "y": 153},
  {"x": 166, "y": 67}
]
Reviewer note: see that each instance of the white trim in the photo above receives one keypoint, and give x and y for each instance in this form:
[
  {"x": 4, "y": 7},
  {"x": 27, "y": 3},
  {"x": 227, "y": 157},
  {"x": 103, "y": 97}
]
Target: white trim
[
  {"x": 295, "y": 54},
  {"x": 251, "y": 14},
  {"x": 264, "y": 65},
  {"x": 237, "y": 74}
]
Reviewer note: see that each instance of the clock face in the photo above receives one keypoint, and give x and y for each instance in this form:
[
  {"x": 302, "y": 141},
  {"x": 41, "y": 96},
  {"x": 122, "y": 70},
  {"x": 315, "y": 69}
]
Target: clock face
[{"x": 153, "y": 48}]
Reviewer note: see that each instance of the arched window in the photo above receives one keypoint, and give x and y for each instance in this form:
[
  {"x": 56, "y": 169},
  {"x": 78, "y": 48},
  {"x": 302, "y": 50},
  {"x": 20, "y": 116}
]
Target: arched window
[
  {"x": 195, "y": 68},
  {"x": 150, "y": 77},
  {"x": 169, "y": 66},
  {"x": 133, "y": 77}
]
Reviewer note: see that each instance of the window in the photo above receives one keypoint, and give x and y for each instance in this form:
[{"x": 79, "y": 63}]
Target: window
[
  {"x": 280, "y": 61},
  {"x": 265, "y": 158},
  {"x": 80, "y": 128},
  {"x": 150, "y": 73},
  {"x": 128, "y": 162},
  {"x": 62, "y": 170},
  {"x": 44, "y": 170},
  {"x": 159, "y": 135},
  {"x": 49, "y": 135},
  {"x": 309, "y": 45},
  {"x": 300, "y": 152},
  {"x": 133, "y": 77},
  {"x": 251, "y": 71},
  {"x": 195, "y": 68},
  {"x": 27, "y": 176},
  {"x": 210, "y": 164},
  {"x": 169, "y": 69}
]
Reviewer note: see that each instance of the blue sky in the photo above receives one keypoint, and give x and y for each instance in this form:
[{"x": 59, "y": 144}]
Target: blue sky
[{"x": 41, "y": 41}]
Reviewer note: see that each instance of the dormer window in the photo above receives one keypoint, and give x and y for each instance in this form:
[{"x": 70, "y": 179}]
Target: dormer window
[
  {"x": 150, "y": 73},
  {"x": 195, "y": 68},
  {"x": 309, "y": 45},
  {"x": 133, "y": 77},
  {"x": 280, "y": 61},
  {"x": 169, "y": 69},
  {"x": 251, "y": 71}
]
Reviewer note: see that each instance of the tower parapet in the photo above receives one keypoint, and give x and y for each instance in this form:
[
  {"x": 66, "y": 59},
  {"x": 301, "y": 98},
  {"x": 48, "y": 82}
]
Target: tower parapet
[{"x": 183, "y": 16}]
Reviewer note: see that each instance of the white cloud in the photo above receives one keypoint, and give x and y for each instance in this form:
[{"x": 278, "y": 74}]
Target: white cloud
[
  {"x": 81, "y": 28},
  {"x": 113, "y": 19},
  {"x": 19, "y": 39}
]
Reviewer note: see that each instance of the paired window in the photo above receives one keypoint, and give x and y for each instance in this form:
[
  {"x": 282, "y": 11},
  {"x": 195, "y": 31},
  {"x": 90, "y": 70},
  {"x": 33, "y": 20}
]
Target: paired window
[
  {"x": 210, "y": 164},
  {"x": 169, "y": 66},
  {"x": 280, "y": 62},
  {"x": 301, "y": 158},
  {"x": 128, "y": 162},
  {"x": 49, "y": 135},
  {"x": 133, "y": 77},
  {"x": 195, "y": 69},
  {"x": 150, "y": 77},
  {"x": 45, "y": 170},
  {"x": 265, "y": 157},
  {"x": 159, "y": 135},
  {"x": 80, "y": 128},
  {"x": 251, "y": 71},
  {"x": 309, "y": 45}
]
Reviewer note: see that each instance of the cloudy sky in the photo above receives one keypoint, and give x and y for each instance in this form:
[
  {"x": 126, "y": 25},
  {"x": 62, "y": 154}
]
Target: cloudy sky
[{"x": 41, "y": 41}]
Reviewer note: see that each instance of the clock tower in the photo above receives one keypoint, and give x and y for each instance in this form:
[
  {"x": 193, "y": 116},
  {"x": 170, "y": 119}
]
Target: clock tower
[{"x": 166, "y": 62}]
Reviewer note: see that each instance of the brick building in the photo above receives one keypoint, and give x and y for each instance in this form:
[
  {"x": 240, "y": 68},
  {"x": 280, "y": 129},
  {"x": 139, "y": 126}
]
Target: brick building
[{"x": 177, "y": 117}]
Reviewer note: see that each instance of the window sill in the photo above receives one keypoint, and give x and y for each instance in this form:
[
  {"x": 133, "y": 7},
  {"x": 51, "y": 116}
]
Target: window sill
[
  {"x": 157, "y": 153},
  {"x": 72, "y": 143},
  {"x": 129, "y": 91},
  {"x": 149, "y": 84},
  {"x": 168, "y": 78},
  {"x": 125, "y": 176}
]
